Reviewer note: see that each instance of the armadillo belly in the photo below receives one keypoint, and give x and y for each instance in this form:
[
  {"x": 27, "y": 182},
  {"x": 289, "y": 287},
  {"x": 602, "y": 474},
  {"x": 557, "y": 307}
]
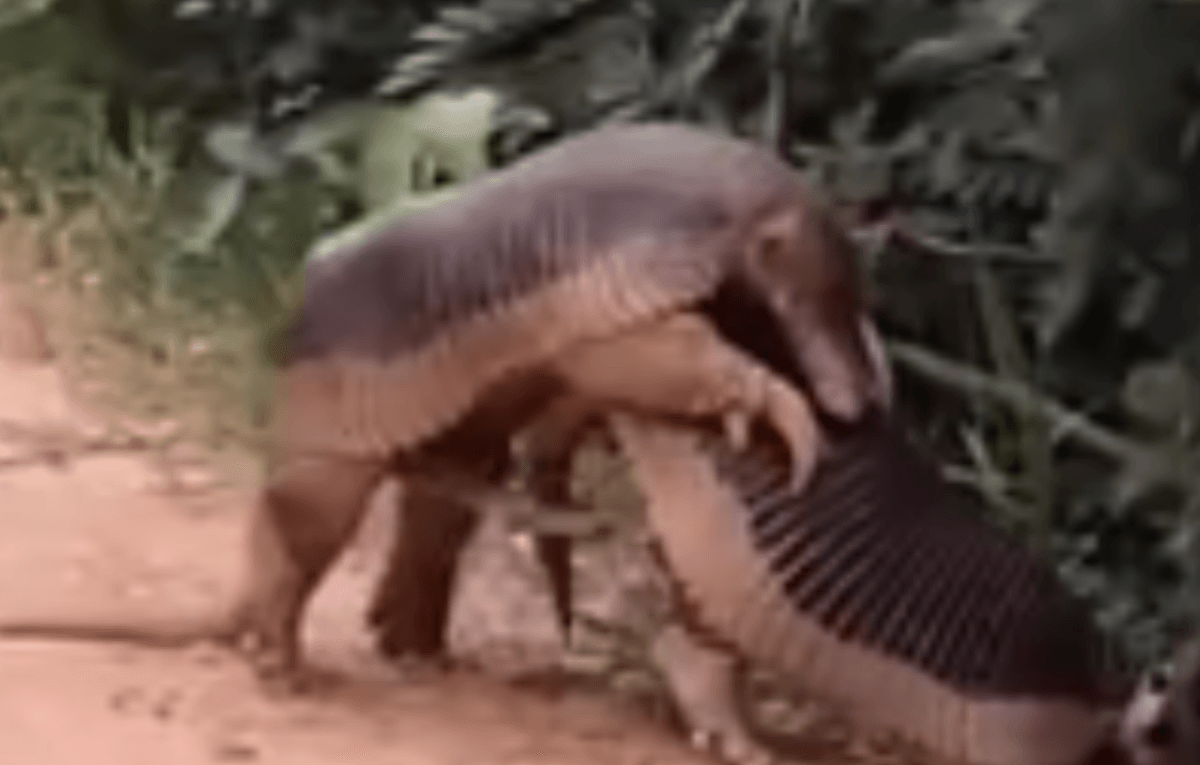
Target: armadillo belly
[{"x": 869, "y": 590}]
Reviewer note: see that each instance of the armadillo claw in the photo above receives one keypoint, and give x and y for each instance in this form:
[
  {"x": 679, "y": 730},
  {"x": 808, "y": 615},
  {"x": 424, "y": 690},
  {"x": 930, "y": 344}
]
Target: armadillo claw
[
  {"x": 729, "y": 748},
  {"x": 793, "y": 419},
  {"x": 736, "y": 424},
  {"x": 702, "y": 740},
  {"x": 742, "y": 751}
]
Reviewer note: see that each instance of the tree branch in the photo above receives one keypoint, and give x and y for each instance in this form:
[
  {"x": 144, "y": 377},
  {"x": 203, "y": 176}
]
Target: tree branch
[
  {"x": 1022, "y": 397},
  {"x": 904, "y": 230}
]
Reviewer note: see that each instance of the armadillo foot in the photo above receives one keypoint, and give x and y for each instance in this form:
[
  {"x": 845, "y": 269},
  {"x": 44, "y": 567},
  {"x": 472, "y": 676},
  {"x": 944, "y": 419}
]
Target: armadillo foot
[
  {"x": 735, "y": 750},
  {"x": 702, "y": 687},
  {"x": 279, "y": 672},
  {"x": 260, "y": 636},
  {"x": 749, "y": 390},
  {"x": 272, "y": 665}
]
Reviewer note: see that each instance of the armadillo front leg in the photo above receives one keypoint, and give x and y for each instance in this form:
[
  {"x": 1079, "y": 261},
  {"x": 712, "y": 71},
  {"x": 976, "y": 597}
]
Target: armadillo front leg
[
  {"x": 701, "y": 679},
  {"x": 681, "y": 366},
  {"x": 412, "y": 603}
]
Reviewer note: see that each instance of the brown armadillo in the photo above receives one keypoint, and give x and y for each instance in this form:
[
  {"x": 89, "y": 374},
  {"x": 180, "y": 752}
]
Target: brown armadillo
[
  {"x": 868, "y": 589},
  {"x": 677, "y": 365},
  {"x": 405, "y": 332}
]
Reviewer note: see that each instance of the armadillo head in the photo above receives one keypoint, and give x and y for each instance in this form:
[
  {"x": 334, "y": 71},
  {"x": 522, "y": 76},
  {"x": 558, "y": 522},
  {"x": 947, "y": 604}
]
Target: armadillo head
[
  {"x": 806, "y": 267},
  {"x": 1161, "y": 723}
]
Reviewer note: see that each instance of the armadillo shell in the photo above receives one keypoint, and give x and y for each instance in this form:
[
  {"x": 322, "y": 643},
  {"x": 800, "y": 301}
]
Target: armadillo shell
[
  {"x": 875, "y": 497},
  {"x": 401, "y": 329},
  {"x": 870, "y": 588}
]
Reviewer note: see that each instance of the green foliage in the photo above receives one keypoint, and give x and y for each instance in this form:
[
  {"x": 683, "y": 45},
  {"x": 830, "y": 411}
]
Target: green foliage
[
  {"x": 1019, "y": 172},
  {"x": 13, "y": 12}
]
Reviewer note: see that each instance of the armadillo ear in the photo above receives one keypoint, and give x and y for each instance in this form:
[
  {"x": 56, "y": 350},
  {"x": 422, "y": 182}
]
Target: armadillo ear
[{"x": 770, "y": 255}]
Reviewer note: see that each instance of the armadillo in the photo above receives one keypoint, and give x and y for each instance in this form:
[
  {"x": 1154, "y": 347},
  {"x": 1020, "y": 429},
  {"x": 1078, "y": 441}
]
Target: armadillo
[
  {"x": 404, "y": 334},
  {"x": 871, "y": 589},
  {"x": 868, "y": 588}
]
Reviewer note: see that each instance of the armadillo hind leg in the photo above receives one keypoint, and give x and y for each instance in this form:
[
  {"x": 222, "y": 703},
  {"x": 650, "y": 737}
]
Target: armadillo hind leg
[
  {"x": 306, "y": 515},
  {"x": 701, "y": 681},
  {"x": 681, "y": 366},
  {"x": 411, "y": 606}
]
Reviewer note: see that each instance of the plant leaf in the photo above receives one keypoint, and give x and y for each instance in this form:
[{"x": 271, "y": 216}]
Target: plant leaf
[
  {"x": 14, "y": 12},
  {"x": 222, "y": 202},
  {"x": 934, "y": 58},
  {"x": 239, "y": 147},
  {"x": 407, "y": 147},
  {"x": 343, "y": 239},
  {"x": 1163, "y": 394}
]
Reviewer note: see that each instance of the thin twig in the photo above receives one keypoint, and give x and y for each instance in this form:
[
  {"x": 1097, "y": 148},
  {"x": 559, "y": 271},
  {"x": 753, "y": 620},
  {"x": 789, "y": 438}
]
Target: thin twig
[
  {"x": 700, "y": 53},
  {"x": 1012, "y": 363},
  {"x": 992, "y": 482},
  {"x": 521, "y": 511},
  {"x": 899, "y": 228},
  {"x": 1022, "y": 397},
  {"x": 975, "y": 250},
  {"x": 778, "y": 112}
]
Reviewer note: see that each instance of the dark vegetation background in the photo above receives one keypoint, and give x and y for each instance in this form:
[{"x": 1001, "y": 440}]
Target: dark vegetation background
[{"x": 1020, "y": 174}]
